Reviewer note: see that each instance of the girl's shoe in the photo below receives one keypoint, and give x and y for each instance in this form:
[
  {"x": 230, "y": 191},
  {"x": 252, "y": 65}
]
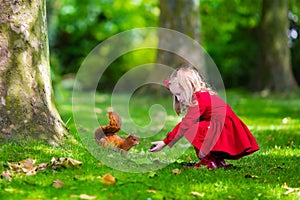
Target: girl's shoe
[
  {"x": 221, "y": 163},
  {"x": 209, "y": 162}
]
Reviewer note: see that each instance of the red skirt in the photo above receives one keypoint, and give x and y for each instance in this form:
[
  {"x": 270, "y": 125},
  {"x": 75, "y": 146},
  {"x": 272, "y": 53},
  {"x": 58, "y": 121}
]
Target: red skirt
[{"x": 231, "y": 140}]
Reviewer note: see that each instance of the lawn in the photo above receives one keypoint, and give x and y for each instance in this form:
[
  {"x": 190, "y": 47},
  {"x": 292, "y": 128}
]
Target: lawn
[{"x": 271, "y": 173}]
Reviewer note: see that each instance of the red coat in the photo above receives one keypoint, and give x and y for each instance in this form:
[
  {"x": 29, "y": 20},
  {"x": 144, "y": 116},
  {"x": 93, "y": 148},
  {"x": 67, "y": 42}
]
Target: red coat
[{"x": 212, "y": 127}]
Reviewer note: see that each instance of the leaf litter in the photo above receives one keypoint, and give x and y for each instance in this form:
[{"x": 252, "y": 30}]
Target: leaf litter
[
  {"x": 290, "y": 190},
  {"x": 29, "y": 166}
]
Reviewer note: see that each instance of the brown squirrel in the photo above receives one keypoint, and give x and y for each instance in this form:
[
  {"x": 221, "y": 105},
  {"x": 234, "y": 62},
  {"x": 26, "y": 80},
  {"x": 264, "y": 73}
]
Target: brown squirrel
[{"x": 105, "y": 135}]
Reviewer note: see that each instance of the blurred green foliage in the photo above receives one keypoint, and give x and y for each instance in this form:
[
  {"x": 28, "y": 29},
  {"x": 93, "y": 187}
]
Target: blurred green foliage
[
  {"x": 229, "y": 33},
  {"x": 76, "y": 27}
]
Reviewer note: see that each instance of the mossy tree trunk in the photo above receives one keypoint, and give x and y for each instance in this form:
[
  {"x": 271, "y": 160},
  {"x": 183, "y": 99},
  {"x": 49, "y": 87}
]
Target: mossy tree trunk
[
  {"x": 274, "y": 72},
  {"x": 27, "y": 110}
]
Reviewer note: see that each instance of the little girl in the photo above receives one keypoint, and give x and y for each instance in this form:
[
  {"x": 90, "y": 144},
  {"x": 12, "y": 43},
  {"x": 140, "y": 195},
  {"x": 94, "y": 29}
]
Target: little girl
[{"x": 209, "y": 124}]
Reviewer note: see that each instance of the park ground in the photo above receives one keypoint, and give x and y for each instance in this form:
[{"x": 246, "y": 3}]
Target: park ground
[{"x": 271, "y": 173}]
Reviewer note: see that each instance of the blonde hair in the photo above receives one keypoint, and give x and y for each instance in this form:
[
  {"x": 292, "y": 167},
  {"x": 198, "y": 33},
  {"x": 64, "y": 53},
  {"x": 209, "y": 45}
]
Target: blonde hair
[{"x": 189, "y": 80}]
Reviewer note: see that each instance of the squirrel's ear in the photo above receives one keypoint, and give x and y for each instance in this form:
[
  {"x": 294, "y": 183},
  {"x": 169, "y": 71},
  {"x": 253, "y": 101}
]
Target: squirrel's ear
[{"x": 132, "y": 134}]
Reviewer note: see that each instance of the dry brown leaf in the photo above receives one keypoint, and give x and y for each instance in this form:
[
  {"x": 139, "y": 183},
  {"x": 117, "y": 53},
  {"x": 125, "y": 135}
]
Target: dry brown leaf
[
  {"x": 33, "y": 171},
  {"x": 58, "y": 183},
  {"x": 176, "y": 171},
  {"x": 74, "y": 162},
  {"x": 27, "y": 164},
  {"x": 197, "y": 194},
  {"x": 14, "y": 166},
  {"x": 22, "y": 166},
  {"x": 108, "y": 179},
  {"x": 42, "y": 166},
  {"x": 7, "y": 175},
  {"x": 64, "y": 162}
]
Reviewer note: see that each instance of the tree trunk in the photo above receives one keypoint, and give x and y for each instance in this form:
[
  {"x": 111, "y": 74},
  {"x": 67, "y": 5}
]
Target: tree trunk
[
  {"x": 181, "y": 16},
  {"x": 27, "y": 110},
  {"x": 274, "y": 72},
  {"x": 175, "y": 49}
]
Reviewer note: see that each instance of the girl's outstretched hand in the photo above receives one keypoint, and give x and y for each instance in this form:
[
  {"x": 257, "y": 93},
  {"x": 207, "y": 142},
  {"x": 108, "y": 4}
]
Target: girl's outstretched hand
[{"x": 157, "y": 146}]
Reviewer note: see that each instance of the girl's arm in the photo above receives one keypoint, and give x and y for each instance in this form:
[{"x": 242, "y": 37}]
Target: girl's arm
[
  {"x": 173, "y": 136},
  {"x": 188, "y": 125}
]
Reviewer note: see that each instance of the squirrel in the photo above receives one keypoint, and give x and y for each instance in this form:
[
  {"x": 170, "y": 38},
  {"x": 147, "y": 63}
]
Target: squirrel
[{"x": 105, "y": 135}]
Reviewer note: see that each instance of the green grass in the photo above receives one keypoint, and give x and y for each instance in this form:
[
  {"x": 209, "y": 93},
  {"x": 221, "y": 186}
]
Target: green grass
[{"x": 274, "y": 121}]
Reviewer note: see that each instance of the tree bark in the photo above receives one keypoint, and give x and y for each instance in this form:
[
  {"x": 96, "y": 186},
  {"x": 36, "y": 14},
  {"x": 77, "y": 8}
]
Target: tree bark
[
  {"x": 274, "y": 72},
  {"x": 27, "y": 110},
  {"x": 181, "y": 16}
]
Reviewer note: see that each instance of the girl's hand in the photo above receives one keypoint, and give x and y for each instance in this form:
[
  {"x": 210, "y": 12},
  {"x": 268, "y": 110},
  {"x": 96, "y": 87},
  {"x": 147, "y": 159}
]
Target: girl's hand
[{"x": 157, "y": 146}]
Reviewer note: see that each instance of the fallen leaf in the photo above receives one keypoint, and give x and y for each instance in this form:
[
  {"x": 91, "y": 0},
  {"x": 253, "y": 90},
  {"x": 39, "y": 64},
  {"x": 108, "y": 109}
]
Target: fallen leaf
[
  {"x": 14, "y": 166},
  {"x": 291, "y": 190},
  {"x": 58, "y": 184},
  {"x": 108, "y": 179},
  {"x": 83, "y": 196},
  {"x": 151, "y": 191},
  {"x": 176, "y": 171},
  {"x": 42, "y": 166},
  {"x": 28, "y": 166},
  {"x": 251, "y": 176},
  {"x": 7, "y": 175},
  {"x": 64, "y": 162},
  {"x": 197, "y": 194},
  {"x": 25, "y": 166},
  {"x": 33, "y": 171},
  {"x": 74, "y": 162}
]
